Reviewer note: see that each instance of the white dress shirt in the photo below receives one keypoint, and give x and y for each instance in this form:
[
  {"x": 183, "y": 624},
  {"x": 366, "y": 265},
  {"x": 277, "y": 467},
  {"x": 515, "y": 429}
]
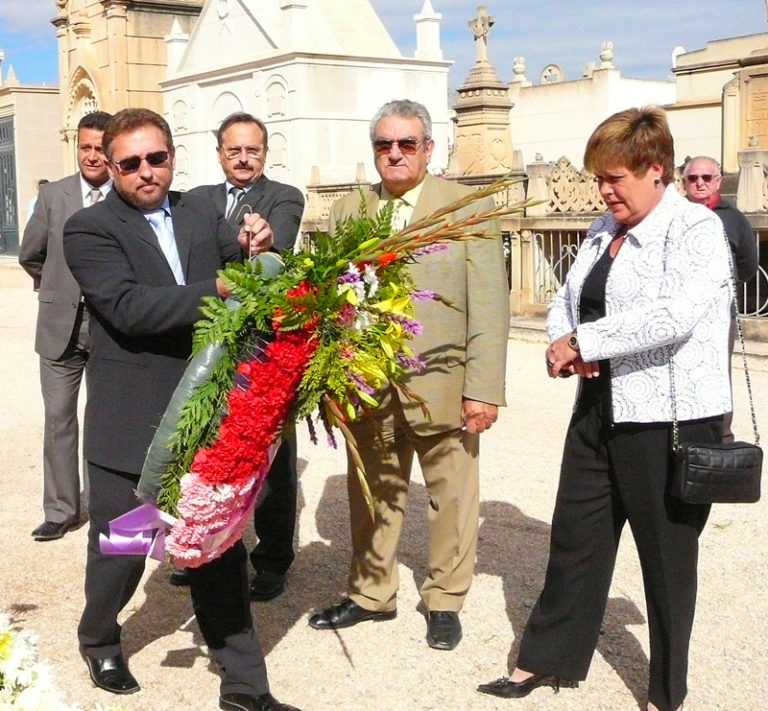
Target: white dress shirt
[{"x": 86, "y": 187}]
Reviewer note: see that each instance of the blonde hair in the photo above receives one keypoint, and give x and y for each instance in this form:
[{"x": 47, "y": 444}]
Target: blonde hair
[{"x": 633, "y": 138}]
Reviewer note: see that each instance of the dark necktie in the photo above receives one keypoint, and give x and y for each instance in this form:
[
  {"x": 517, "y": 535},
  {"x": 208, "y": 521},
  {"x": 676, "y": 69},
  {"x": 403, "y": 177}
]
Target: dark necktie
[{"x": 237, "y": 195}]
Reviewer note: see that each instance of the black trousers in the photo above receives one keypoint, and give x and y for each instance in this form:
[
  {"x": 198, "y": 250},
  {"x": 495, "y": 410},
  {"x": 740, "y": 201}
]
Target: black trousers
[
  {"x": 219, "y": 592},
  {"x": 274, "y": 519},
  {"x": 610, "y": 475}
]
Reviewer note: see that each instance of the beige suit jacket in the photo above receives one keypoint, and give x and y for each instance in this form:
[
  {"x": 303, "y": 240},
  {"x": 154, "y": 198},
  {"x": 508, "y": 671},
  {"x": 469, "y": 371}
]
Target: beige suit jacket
[{"x": 465, "y": 346}]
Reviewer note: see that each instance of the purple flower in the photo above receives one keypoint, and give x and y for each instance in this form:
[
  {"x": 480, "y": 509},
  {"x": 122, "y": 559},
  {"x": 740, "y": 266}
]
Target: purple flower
[
  {"x": 412, "y": 362},
  {"x": 430, "y": 249},
  {"x": 312, "y": 431},
  {"x": 350, "y": 278},
  {"x": 411, "y": 327},
  {"x": 360, "y": 384},
  {"x": 422, "y": 295}
]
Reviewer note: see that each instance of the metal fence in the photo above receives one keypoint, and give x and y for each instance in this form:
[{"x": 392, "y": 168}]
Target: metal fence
[{"x": 555, "y": 250}]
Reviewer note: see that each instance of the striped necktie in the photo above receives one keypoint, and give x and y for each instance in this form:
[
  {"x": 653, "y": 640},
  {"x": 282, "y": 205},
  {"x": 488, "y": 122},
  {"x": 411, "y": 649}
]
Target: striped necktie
[
  {"x": 237, "y": 195},
  {"x": 167, "y": 242}
]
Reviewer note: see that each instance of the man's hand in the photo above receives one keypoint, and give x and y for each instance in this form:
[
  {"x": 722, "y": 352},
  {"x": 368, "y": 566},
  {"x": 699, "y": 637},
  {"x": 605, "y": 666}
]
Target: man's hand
[
  {"x": 221, "y": 289},
  {"x": 255, "y": 235},
  {"x": 478, "y": 416}
]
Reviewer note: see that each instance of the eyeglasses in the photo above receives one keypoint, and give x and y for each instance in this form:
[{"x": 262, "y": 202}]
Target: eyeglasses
[
  {"x": 407, "y": 146},
  {"x": 706, "y": 177},
  {"x": 235, "y": 152},
  {"x": 132, "y": 164}
]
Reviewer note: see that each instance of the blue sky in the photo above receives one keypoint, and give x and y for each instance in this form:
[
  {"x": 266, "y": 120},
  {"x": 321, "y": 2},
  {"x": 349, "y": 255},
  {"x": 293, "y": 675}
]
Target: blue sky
[{"x": 565, "y": 32}]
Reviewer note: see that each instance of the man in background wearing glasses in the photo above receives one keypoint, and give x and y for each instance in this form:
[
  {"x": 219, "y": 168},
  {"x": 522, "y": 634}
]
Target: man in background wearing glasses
[
  {"x": 242, "y": 152},
  {"x": 702, "y": 179},
  {"x": 144, "y": 258},
  {"x": 61, "y": 337},
  {"x": 463, "y": 345}
]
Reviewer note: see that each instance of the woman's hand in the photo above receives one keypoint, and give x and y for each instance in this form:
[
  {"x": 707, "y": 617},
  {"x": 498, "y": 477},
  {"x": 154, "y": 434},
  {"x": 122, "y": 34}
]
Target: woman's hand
[{"x": 562, "y": 361}]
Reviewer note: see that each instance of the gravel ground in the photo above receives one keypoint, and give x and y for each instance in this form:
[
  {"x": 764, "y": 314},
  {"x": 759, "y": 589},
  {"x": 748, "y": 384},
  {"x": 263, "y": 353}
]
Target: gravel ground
[{"x": 387, "y": 666}]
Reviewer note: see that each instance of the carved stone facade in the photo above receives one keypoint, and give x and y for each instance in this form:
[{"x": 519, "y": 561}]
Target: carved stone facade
[
  {"x": 112, "y": 54},
  {"x": 313, "y": 73}
]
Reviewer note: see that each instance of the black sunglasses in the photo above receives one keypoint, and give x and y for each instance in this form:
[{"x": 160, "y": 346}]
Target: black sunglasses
[
  {"x": 132, "y": 164},
  {"x": 407, "y": 146},
  {"x": 706, "y": 177}
]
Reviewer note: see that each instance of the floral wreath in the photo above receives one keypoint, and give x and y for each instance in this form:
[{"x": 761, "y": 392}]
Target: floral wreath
[{"x": 322, "y": 330}]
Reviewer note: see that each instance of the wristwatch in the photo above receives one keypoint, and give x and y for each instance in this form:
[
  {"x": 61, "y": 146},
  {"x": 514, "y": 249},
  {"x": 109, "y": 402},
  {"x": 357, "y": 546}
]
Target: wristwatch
[{"x": 573, "y": 342}]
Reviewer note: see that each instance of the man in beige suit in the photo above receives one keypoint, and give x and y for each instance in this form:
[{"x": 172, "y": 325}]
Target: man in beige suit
[{"x": 464, "y": 347}]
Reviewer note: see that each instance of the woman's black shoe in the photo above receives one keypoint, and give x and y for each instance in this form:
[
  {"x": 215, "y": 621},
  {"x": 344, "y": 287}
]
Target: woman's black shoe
[{"x": 508, "y": 689}]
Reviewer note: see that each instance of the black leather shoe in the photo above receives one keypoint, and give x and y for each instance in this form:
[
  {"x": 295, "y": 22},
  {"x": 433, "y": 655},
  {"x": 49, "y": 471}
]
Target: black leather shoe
[
  {"x": 243, "y": 702},
  {"x": 443, "y": 630},
  {"x": 266, "y": 585},
  {"x": 112, "y": 674},
  {"x": 180, "y": 578},
  {"x": 50, "y": 531},
  {"x": 346, "y": 614},
  {"x": 508, "y": 689}
]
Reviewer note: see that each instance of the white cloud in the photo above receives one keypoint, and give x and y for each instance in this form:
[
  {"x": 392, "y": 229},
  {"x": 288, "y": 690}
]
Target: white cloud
[{"x": 31, "y": 18}]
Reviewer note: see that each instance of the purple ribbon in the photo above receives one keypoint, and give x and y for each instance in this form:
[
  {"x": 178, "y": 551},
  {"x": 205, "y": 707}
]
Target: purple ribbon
[{"x": 140, "y": 531}]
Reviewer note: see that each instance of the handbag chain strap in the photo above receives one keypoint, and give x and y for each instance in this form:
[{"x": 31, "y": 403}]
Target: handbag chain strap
[{"x": 732, "y": 284}]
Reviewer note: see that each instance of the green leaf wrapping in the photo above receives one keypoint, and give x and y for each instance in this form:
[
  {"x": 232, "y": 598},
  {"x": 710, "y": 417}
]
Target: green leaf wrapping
[{"x": 161, "y": 455}]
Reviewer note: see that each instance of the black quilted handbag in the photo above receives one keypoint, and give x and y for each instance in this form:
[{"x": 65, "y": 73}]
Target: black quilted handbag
[
  {"x": 727, "y": 473},
  {"x": 717, "y": 473}
]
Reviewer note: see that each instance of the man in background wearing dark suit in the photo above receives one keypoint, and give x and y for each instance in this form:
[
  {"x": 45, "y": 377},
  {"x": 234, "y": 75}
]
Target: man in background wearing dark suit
[
  {"x": 62, "y": 339},
  {"x": 702, "y": 180},
  {"x": 242, "y": 152},
  {"x": 144, "y": 258}
]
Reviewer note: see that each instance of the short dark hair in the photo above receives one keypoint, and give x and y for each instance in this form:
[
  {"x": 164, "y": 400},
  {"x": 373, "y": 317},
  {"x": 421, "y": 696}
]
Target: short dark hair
[
  {"x": 240, "y": 117},
  {"x": 95, "y": 119},
  {"x": 634, "y": 138},
  {"x": 129, "y": 120}
]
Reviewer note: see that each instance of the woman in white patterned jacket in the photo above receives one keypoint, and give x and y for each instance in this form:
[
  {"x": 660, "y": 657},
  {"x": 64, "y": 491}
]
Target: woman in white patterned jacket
[{"x": 650, "y": 284}]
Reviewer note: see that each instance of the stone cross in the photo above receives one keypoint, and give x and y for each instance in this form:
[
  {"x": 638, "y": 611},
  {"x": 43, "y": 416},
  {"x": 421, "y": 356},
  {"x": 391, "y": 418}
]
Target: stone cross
[{"x": 481, "y": 26}]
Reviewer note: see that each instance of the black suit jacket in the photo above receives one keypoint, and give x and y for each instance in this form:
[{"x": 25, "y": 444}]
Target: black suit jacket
[
  {"x": 279, "y": 204},
  {"x": 141, "y": 320}
]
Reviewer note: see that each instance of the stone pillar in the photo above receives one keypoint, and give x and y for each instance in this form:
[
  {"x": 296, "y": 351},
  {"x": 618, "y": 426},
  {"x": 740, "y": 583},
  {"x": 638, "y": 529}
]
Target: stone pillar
[
  {"x": 483, "y": 143},
  {"x": 753, "y": 164},
  {"x": 117, "y": 52},
  {"x": 294, "y": 23},
  {"x": 428, "y": 33},
  {"x": 731, "y": 122},
  {"x": 175, "y": 44},
  {"x": 538, "y": 186}
]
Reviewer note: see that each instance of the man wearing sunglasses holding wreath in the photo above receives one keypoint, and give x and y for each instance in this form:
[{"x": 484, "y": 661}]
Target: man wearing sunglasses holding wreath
[
  {"x": 144, "y": 257},
  {"x": 702, "y": 180}
]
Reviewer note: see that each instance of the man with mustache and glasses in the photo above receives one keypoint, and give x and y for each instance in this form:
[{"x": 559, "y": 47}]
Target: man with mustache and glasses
[
  {"x": 242, "y": 151},
  {"x": 702, "y": 180},
  {"x": 463, "y": 345},
  {"x": 61, "y": 338},
  {"x": 144, "y": 258}
]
